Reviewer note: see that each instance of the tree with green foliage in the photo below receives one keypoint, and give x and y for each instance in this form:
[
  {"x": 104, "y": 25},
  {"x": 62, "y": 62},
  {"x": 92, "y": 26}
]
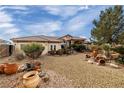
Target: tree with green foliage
[
  {"x": 109, "y": 27},
  {"x": 33, "y": 50}
]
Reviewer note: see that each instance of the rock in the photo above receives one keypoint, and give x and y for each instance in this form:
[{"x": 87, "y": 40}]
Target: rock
[
  {"x": 22, "y": 67},
  {"x": 42, "y": 74},
  {"x": 114, "y": 65},
  {"x": 30, "y": 66},
  {"x": 91, "y": 61},
  {"x": 45, "y": 78}
]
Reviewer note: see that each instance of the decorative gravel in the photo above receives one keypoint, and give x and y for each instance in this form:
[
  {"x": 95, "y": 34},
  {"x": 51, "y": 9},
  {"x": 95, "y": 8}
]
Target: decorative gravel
[
  {"x": 83, "y": 74},
  {"x": 15, "y": 81},
  {"x": 70, "y": 71}
]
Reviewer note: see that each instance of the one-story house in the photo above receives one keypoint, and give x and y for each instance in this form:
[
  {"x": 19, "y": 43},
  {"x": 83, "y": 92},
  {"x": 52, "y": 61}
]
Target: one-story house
[{"x": 49, "y": 42}]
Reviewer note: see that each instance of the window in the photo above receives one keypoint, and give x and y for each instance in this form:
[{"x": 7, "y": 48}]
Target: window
[
  {"x": 54, "y": 47},
  {"x": 22, "y": 45},
  {"x": 62, "y": 46},
  {"x": 51, "y": 47}
]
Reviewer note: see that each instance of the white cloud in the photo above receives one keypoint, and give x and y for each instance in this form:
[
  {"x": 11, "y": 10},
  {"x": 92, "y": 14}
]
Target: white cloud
[
  {"x": 7, "y": 28},
  {"x": 75, "y": 24},
  {"x": 80, "y": 21},
  {"x": 64, "y": 11},
  {"x": 82, "y": 37},
  {"x": 45, "y": 28},
  {"x": 15, "y": 7},
  {"x": 4, "y": 17},
  {"x": 6, "y": 25},
  {"x": 11, "y": 30}
]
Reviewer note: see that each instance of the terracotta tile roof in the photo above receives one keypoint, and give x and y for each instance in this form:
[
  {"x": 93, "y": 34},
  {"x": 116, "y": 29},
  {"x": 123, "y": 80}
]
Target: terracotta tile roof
[
  {"x": 38, "y": 38},
  {"x": 73, "y": 37}
]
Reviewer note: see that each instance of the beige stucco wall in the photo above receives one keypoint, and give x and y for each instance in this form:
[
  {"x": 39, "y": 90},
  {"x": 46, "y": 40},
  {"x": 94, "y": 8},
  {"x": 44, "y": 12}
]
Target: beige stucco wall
[{"x": 45, "y": 44}]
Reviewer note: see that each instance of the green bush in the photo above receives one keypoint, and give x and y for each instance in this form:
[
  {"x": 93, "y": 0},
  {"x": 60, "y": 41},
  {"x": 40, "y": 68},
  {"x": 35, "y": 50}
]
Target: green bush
[
  {"x": 119, "y": 49},
  {"x": 78, "y": 47},
  {"x": 29, "y": 48},
  {"x": 52, "y": 52},
  {"x": 120, "y": 59},
  {"x": 95, "y": 47},
  {"x": 60, "y": 52},
  {"x": 33, "y": 50},
  {"x": 106, "y": 47}
]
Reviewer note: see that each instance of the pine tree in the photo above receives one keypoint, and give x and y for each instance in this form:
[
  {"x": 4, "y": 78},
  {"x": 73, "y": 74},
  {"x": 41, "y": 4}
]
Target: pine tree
[{"x": 109, "y": 27}]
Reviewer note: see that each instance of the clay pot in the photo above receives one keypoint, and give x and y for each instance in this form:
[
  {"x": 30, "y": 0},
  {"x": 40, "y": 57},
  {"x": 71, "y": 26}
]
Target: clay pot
[
  {"x": 101, "y": 62},
  {"x": 94, "y": 53},
  {"x": 1, "y": 68},
  {"x": 31, "y": 79},
  {"x": 10, "y": 68},
  {"x": 88, "y": 56},
  {"x": 37, "y": 66}
]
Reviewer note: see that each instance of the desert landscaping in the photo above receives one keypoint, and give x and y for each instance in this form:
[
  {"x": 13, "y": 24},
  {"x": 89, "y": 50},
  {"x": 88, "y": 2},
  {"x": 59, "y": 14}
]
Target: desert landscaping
[{"x": 69, "y": 71}]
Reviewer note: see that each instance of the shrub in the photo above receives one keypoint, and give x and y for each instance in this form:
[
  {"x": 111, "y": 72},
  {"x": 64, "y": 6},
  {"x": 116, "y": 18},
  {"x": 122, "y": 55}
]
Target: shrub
[
  {"x": 60, "y": 52},
  {"x": 78, "y": 47},
  {"x": 19, "y": 56},
  {"x": 52, "y": 52},
  {"x": 29, "y": 48},
  {"x": 120, "y": 59},
  {"x": 94, "y": 47},
  {"x": 119, "y": 49},
  {"x": 107, "y": 48},
  {"x": 33, "y": 50}
]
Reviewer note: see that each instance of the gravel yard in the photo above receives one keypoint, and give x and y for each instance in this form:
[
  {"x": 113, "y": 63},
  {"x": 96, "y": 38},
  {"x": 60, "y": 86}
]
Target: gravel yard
[
  {"x": 15, "y": 81},
  {"x": 83, "y": 74},
  {"x": 71, "y": 71}
]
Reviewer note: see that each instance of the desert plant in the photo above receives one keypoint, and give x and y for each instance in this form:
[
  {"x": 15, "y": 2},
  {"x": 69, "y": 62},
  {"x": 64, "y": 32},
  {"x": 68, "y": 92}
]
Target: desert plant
[
  {"x": 120, "y": 59},
  {"x": 107, "y": 48},
  {"x": 60, "y": 52},
  {"x": 78, "y": 47},
  {"x": 33, "y": 50},
  {"x": 52, "y": 52},
  {"x": 95, "y": 47},
  {"x": 120, "y": 50}
]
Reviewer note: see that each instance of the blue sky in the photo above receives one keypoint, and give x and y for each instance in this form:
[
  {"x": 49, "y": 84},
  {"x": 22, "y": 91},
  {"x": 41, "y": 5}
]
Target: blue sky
[{"x": 16, "y": 21}]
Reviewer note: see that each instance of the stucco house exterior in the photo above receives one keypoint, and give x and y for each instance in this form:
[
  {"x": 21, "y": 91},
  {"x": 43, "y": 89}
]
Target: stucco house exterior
[
  {"x": 49, "y": 42},
  {"x": 69, "y": 39}
]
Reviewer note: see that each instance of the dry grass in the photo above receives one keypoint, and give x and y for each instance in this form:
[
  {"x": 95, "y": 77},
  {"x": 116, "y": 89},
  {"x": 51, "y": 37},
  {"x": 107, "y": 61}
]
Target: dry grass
[{"x": 82, "y": 74}]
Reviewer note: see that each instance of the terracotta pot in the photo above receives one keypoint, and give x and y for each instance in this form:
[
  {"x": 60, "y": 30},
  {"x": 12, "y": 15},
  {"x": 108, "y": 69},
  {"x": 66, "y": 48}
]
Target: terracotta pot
[
  {"x": 94, "y": 53},
  {"x": 31, "y": 79},
  {"x": 101, "y": 62},
  {"x": 1, "y": 68},
  {"x": 10, "y": 68}
]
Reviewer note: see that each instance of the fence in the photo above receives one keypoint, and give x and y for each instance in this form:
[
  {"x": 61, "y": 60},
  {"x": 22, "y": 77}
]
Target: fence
[{"x": 4, "y": 50}]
